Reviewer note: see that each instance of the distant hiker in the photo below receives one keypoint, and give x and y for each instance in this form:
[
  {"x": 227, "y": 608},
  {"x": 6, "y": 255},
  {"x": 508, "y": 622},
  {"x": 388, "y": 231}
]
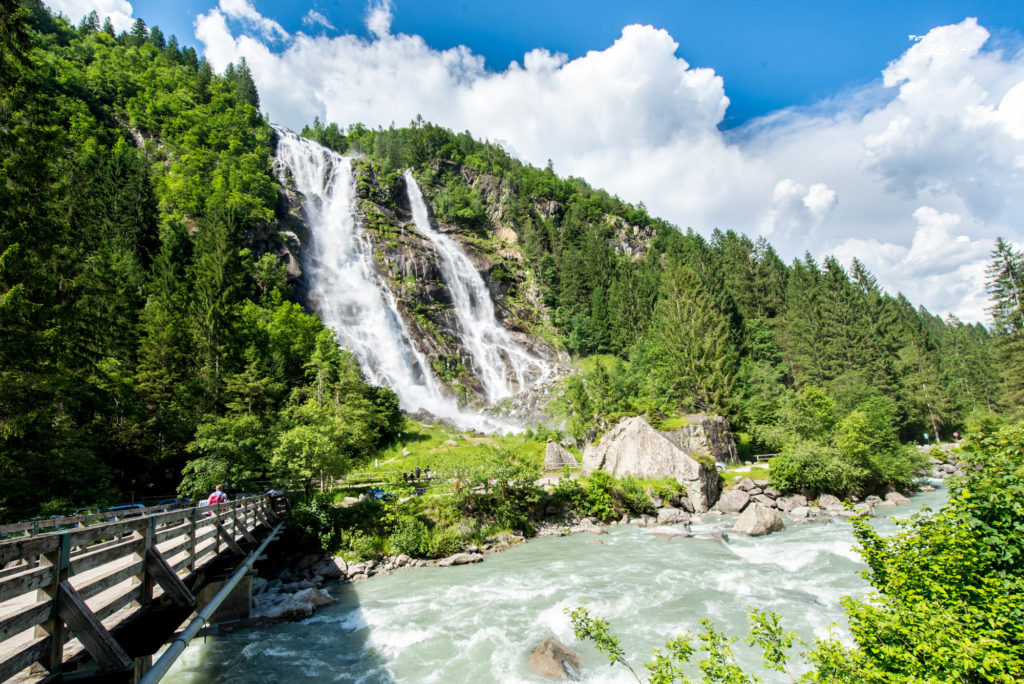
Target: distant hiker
[
  {"x": 417, "y": 472},
  {"x": 217, "y": 496}
]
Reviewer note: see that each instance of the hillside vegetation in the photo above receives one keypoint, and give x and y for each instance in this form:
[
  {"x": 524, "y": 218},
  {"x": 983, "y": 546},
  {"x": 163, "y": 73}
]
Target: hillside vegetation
[{"x": 151, "y": 340}]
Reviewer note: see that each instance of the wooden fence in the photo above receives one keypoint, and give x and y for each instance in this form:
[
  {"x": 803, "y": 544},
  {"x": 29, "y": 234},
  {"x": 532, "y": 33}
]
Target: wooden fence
[{"x": 64, "y": 591}]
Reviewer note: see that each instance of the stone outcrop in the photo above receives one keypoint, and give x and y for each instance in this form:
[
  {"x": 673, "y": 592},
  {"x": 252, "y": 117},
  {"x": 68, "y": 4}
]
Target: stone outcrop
[
  {"x": 704, "y": 434},
  {"x": 555, "y": 660},
  {"x": 557, "y": 456},
  {"x": 460, "y": 559},
  {"x": 759, "y": 520},
  {"x": 635, "y": 448}
]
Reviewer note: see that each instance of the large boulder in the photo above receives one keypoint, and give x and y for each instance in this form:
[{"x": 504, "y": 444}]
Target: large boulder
[
  {"x": 555, "y": 660},
  {"x": 829, "y": 502},
  {"x": 733, "y": 501},
  {"x": 635, "y": 448},
  {"x": 757, "y": 520},
  {"x": 557, "y": 456},
  {"x": 704, "y": 434}
]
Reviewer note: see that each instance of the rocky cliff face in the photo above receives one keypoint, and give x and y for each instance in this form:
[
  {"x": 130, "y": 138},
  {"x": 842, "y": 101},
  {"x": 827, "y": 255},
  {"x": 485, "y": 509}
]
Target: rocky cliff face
[{"x": 410, "y": 268}]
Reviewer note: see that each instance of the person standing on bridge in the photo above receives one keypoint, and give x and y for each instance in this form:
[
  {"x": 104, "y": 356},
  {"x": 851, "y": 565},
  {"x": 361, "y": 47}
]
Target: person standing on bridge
[{"x": 217, "y": 496}]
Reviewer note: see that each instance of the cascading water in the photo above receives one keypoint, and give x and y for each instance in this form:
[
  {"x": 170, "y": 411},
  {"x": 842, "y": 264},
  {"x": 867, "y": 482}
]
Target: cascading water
[
  {"x": 497, "y": 357},
  {"x": 345, "y": 290}
]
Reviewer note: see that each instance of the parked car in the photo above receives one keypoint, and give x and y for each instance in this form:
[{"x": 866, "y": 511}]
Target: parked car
[
  {"x": 176, "y": 503},
  {"x": 128, "y": 510}
]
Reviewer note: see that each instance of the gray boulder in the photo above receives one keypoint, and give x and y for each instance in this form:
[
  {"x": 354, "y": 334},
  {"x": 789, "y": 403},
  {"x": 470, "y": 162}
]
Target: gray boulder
[
  {"x": 590, "y": 526},
  {"x": 827, "y": 501},
  {"x": 672, "y": 516},
  {"x": 460, "y": 559},
  {"x": 555, "y": 660},
  {"x": 331, "y": 568},
  {"x": 704, "y": 434},
  {"x": 791, "y": 501},
  {"x": 733, "y": 501},
  {"x": 764, "y": 500},
  {"x": 635, "y": 448},
  {"x": 758, "y": 520},
  {"x": 746, "y": 484},
  {"x": 800, "y": 512},
  {"x": 557, "y": 456},
  {"x": 896, "y": 498}
]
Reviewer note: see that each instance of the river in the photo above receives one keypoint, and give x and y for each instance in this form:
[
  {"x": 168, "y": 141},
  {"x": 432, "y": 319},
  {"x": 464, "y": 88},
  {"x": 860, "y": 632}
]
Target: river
[{"x": 478, "y": 623}]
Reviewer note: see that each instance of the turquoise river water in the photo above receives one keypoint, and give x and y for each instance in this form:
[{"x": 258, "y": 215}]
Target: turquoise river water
[{"x": 478, "y": 623}]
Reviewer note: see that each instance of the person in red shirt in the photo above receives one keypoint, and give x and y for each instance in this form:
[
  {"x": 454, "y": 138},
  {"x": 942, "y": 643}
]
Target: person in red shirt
[{"x": 217, "y": 496}]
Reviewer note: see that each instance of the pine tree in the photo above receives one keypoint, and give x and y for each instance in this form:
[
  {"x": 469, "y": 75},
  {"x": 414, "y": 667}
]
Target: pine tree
[
  {"x": 1006, "y": 289},
  {"x": 692, "y": 362}
]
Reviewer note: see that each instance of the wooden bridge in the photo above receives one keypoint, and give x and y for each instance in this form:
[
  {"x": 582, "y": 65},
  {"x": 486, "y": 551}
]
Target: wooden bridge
[{"x": 105, "y": 596}]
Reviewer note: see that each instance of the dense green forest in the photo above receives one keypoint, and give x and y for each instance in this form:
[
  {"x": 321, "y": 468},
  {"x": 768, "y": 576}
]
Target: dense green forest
[
  {"x": 138, "y": 329},
  {"x": 148, "y": 333}
]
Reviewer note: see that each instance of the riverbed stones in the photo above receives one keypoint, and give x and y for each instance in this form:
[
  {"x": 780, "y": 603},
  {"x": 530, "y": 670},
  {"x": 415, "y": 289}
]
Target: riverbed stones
[
  {"x": 590, "y": 526},
  {"x": 896, "y": 498},
  {"x": 734, "y": 500},
  {"x": 800, "y": 512},
  {"x": 635, "y": 448},
  {"x": 557, "y": 456},
  {"x": 828, "y": 502},
  {"x": 330, "y": 568},
  {"x": 790, "y": 501},
  {"x": 672, "y": 516},
  {"x": 758, "y": 520},
  {"x": 460, "y": 559},
  {"x": 554, "y": 660}
]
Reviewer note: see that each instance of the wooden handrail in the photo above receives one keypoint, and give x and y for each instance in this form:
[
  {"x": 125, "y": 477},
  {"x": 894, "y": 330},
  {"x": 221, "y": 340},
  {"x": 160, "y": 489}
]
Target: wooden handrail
[{"x": 84, "y": 578}]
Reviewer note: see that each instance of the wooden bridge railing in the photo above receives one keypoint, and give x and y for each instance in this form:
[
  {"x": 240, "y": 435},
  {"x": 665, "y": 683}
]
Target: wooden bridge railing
[{"x": 85, "y": 581}]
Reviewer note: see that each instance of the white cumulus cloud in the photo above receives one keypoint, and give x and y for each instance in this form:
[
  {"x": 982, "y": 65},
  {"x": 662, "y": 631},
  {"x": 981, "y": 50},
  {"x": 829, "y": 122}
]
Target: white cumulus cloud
[{"x": 939, "y": 134}]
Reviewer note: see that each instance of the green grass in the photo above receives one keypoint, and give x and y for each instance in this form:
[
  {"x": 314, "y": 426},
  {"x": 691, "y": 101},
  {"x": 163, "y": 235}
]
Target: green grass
[
  {"x": 673, "y": 423},
  {"x": 756, "y": 473},
  {"x": 424, "y": 445}
]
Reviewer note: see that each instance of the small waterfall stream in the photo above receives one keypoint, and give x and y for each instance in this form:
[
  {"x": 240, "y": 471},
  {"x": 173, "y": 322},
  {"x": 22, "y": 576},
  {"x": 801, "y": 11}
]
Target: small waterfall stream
[
  {"x": 345, "y": 290},
  {"x": 502, "y": 365}
]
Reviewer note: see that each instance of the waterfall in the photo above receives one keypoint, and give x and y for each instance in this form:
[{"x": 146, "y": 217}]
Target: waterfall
[
  {"x": 502, "y": 365},
  {"x": 345, "y": 289}
]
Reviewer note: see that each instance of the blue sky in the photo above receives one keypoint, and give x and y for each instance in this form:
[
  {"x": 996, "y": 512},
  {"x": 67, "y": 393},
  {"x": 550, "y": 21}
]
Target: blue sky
[
  {"x": 892, "y": 132},
  {"x": 771, "y": 54}
]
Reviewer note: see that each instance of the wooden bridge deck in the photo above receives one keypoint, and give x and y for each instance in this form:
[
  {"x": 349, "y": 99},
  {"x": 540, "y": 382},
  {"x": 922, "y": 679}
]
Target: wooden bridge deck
[{"x": 63, "y": 592}]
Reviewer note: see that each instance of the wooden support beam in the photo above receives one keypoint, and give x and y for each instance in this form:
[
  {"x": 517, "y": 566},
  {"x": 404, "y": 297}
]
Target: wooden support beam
[
  {"x": 262, "y": 518},
  {"x": 89, "y": 630},
  {"x": 240, "y": 528},
  {"x": 223, "y": 534},
  {"x": 161, "y": 572}
]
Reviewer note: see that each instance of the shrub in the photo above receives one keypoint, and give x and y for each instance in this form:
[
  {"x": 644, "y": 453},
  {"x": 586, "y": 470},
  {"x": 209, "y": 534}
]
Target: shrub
[
  {"x": 599, "y": 491},
  {"x": 819, "y": 468},
  {"x": 410, "y": 537},
  {"x": 443, "y": 541}
]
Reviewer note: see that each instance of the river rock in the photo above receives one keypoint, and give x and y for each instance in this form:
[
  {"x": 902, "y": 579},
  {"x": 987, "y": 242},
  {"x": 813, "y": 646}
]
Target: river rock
[
  {"x": 555, "y": 660},
  {"x": 758, "y": 520},
  {"x": 800, "y": 512},
  {"x": 295, "y": 606},
  {"x": 733, "y": 500},
  {"x": 828, "y": 502},
  {"x": 590, "y": 526},
  {"x": 556, "y": 456},
  {"x": 635, "y": 448},
  {"x": 672, "y": 516},
  {"x": 896, "y": 498},
  {"x": 331, "y": 568},
  {"x": 764, "y": 500},
  {"x": 791, "y": 501},
  {"x": 460, "y": 559},
  {"x": 746, "y": 484}
]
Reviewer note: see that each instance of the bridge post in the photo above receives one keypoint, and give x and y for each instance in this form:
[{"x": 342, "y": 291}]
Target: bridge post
[
  {"x": 53, "y": 627},
  {"x": 192, "y": 541},
  {"x": 146, "y": 576}
]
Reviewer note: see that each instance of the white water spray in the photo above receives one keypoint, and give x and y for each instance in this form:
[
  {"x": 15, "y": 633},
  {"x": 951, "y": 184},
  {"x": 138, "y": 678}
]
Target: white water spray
[
  {"x": 502, "y": 365},
  {"x": 345, "y": 290}
]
